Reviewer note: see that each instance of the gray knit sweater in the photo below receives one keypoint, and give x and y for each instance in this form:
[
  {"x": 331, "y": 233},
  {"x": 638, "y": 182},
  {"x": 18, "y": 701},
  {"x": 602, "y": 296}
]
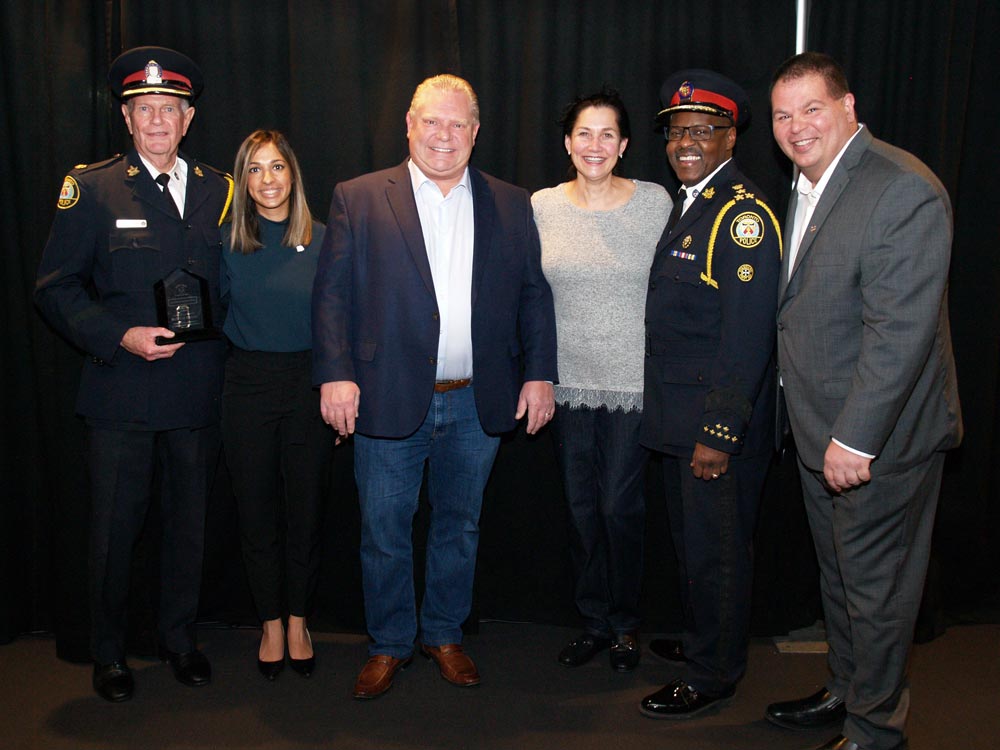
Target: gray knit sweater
[{"x": 597, "y": 263}]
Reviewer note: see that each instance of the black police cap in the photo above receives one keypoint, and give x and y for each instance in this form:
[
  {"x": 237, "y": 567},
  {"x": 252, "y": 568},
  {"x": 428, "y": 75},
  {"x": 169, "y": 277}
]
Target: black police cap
[
  {"x": 698, "y": 90},
  {"x": 155, "y": 70}
]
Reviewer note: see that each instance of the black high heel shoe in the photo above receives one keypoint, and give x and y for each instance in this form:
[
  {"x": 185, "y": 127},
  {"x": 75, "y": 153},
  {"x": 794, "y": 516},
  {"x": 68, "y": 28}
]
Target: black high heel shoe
[
  {"x": 303, "y": 666},
  {"x": 271, "y": 669}
]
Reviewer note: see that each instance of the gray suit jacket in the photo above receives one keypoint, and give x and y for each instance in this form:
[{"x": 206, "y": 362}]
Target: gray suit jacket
[{"x": 864, "y": 344}]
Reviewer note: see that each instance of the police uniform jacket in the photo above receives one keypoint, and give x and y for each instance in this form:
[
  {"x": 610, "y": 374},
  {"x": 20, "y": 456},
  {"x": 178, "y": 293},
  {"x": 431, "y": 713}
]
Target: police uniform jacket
[
  {"x": 710, "y": 320},
  {"x": 114, "y": 236}
]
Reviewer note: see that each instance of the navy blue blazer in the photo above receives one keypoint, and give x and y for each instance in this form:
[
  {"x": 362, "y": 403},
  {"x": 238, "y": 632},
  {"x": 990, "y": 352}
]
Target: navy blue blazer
[
  {"x": 112, "y": 239},
  {"x": 375, "y": 314}
]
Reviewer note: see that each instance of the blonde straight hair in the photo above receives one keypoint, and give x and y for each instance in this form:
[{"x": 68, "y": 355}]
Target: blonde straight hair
[{"x": 245, "y": 237}]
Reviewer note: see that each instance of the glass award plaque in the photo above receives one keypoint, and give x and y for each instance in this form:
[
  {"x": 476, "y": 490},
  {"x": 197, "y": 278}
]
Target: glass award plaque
[{"x": 183, "y": 305}]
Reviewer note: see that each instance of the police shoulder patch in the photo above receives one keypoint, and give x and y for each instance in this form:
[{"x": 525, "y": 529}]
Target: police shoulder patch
[
  {"x": 69, "y": 194},
  {"x": 747, "y": 229}
]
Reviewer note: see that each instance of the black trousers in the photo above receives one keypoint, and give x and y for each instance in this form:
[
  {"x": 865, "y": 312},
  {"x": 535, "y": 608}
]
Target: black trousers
[
  {"x": 712, "y": 525},
  {"x": 122, "y": 464},
  {"x": 278, "y": 450},
  {"x": 603, "y": 469}
]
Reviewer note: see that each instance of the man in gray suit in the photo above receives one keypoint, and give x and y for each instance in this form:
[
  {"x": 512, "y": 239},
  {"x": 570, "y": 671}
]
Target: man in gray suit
[{"x": 864, "y": 353}]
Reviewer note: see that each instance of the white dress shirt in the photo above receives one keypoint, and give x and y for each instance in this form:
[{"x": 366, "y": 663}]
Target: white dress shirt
[
  {"x": 448, "y": 226},
  {"x": 178, "y": 180},
  {"x": 809, "y": 196},
  {"x": 694, "y": 192}
]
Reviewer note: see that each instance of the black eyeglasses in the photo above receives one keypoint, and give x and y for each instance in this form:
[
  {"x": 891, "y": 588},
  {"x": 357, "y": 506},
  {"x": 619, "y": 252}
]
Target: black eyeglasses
[{"x": 697, "y": 132}]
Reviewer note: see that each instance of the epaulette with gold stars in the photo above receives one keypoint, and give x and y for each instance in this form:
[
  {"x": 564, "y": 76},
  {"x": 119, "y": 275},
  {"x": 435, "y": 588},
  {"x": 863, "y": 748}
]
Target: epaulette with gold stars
[{"x": 84, "y": 168}]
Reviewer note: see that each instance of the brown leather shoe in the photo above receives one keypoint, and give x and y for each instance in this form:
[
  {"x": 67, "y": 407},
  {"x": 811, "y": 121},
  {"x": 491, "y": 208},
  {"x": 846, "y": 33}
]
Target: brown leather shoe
[
  {"x": 376, "y": 676},
  {"x": 455, "y": 666}
]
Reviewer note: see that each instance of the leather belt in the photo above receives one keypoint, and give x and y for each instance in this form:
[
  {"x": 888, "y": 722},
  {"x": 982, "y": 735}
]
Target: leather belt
[{"x": 443, "y": 386}]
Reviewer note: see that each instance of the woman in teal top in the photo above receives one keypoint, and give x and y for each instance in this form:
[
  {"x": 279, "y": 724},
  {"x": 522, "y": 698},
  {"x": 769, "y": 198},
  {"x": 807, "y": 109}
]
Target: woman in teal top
[{"x": 276, "y": 444}]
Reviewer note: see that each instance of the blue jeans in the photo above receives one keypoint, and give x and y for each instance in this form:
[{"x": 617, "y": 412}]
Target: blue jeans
[
  {"x": 602, "y": 467},
  {"x": 389, "y": 472}
]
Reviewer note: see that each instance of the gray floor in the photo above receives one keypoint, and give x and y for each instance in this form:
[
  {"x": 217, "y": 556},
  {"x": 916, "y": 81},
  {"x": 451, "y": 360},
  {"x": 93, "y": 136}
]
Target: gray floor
[{"x": 526, "y": 701}]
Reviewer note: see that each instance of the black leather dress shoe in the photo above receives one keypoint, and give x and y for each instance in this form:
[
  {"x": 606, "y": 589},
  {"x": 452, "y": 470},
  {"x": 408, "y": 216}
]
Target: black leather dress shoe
[
  {"x": 303, "y": 667},
  {"x": 840, "y": 742},
  {"x": 582, "y": 649},
  {"x": 625, "y": 652},
  {"x": 191, "y": 668},
  {"x": 270, "y": 669},
  {"x": 678, "y": 700},
  {"x": 668, "y": 648},
  {"x": 820, "y": 709},
  {"x": 113, "y": 681}
]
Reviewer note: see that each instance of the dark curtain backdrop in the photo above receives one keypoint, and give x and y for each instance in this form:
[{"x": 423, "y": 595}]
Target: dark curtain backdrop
[{"x": 336, "y": 77}]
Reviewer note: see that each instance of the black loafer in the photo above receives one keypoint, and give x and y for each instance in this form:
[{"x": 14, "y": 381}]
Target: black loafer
[
  {"x": 668, "y": 648},
  {"x": 678, "y": 700},
  {"x": 625, "y": 652},
  {"x": 820, "y": 709},
  {"x": 190, "y": 668},
  {"x": 582, "y": 649},
  {"x": 113, "y": 681}
]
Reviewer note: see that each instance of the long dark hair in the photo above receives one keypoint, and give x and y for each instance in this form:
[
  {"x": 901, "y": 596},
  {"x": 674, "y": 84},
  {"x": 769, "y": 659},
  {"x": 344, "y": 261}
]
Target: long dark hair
[{"x": 245, "y": 237}]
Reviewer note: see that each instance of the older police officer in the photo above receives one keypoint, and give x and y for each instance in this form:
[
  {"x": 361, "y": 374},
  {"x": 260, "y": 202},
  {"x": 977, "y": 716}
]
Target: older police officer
[{"x": 121, "y": 226}]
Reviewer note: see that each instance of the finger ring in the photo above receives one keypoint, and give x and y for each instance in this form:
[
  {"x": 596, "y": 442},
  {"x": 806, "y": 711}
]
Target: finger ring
[{"x": 715, "y": 476}]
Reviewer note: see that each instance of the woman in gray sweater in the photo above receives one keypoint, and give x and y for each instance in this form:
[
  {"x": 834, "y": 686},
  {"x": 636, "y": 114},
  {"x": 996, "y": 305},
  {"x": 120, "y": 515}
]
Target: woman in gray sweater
[{"x": 599, "y": 232}]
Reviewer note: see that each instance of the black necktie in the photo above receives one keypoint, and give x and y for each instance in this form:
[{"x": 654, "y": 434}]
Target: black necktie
[
  {"x": 678, "y": 209},
  {"x": 162, "y": 179}
]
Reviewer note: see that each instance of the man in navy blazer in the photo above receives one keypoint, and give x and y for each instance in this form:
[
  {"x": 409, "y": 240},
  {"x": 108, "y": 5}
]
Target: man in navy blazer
[
  {"x": 429, "y": 312},
  {"x": 864, "y": 351}
]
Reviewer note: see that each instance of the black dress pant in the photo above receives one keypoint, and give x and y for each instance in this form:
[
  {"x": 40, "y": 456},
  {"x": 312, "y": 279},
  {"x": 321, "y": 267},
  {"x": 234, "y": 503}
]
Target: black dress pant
[
  {"x": 712, "y": 524},
  {"x": 122, "y": 464},
  {"x": 278, "y": 450}
]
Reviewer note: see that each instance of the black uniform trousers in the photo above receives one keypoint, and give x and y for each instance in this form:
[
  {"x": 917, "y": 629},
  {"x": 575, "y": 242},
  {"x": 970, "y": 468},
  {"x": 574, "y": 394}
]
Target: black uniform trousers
[
  {"x": 712, "y": 524},
  {"x": 122, "y": 465},
  {"x": 278, "y": 450}
]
